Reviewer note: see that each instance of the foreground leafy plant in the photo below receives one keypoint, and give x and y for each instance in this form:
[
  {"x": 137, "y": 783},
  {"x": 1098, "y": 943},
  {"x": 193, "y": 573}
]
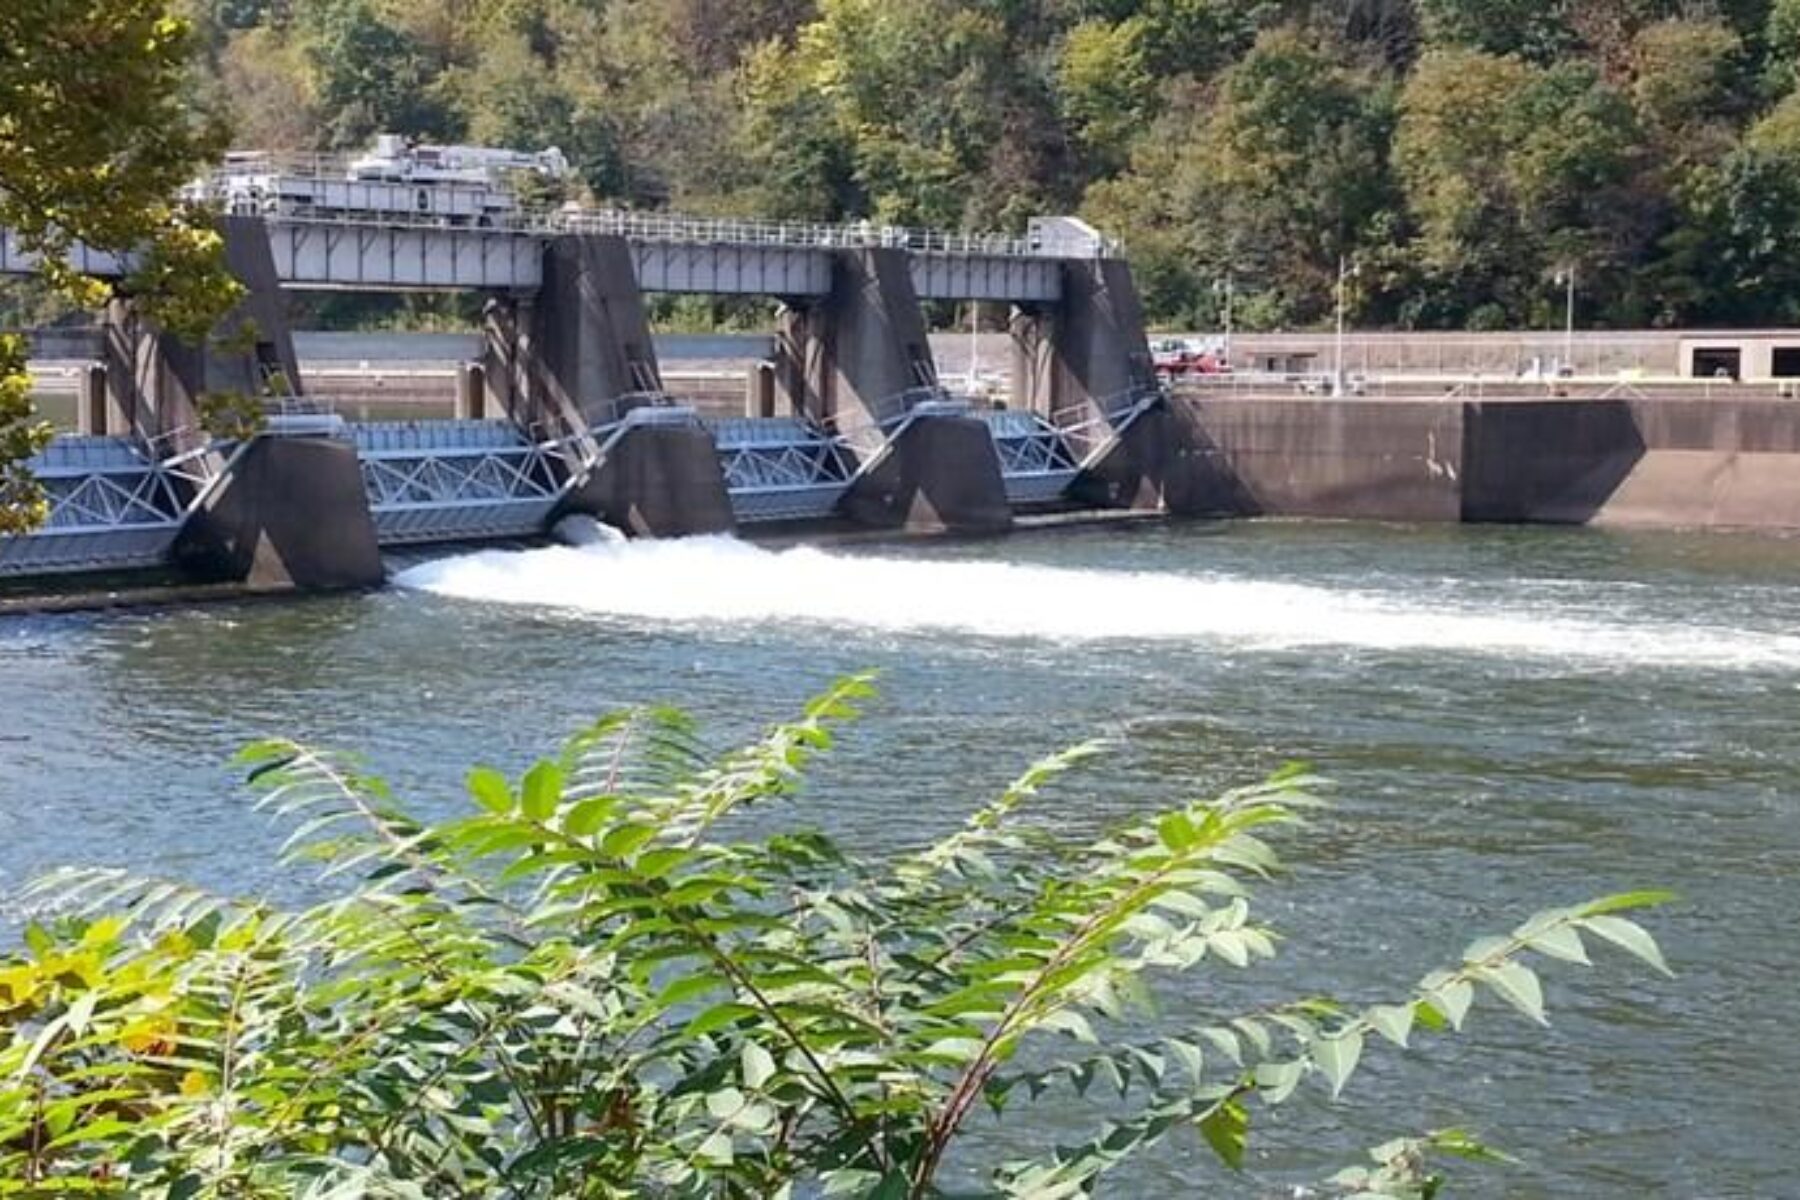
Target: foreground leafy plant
[{"x": 583, "y": 989}]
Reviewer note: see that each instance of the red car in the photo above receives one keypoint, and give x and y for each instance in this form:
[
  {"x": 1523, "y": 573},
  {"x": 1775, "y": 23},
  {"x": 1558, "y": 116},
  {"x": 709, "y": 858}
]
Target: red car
[{"x": 1176, "y": 358}]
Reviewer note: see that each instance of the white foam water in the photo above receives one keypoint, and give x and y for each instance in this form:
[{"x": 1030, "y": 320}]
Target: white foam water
[{"x": 714, "y": 580}]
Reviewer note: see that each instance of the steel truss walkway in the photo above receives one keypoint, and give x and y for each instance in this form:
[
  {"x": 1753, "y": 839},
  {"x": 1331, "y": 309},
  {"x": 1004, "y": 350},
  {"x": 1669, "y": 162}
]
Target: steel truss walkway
[
  {"x": 1035, "y": 459},
  {"x": 1093, "y": 430},
  {"x": 672, "y": 254},
  {"x": 449, "y": 481},
  {"x": 781, "y": 468},
  {"x": 112, "y": 507}
]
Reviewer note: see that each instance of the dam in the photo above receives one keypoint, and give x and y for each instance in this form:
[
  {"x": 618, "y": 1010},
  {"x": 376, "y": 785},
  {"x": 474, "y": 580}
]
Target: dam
[{"x": 562, "y": 406}]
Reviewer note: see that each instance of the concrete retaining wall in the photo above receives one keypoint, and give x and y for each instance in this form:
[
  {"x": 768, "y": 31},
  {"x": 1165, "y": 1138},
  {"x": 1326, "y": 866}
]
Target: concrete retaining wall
[
  {"x": 1369, "y": 459},
  {"x": 1655, "y": 463}
]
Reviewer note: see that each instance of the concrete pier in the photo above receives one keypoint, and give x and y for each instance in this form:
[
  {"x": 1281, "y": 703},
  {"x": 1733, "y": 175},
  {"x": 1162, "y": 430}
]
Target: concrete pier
[
  {"x": 589, "y": 339},
  {"x": 290, "y": 513},
  {"x": 658, "y": 480},
  {"x": 862, "y": 357},
  {"x": 939, "y": 474},
  {"x": 155, "y": 382}
]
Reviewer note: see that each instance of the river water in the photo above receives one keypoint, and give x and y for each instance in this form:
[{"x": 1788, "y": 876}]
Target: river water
[{"x": 1513, "y": 718}]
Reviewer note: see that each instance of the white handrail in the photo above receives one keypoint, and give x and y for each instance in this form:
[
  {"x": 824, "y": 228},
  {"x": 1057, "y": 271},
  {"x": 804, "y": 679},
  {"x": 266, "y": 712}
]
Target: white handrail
[{"x": 651, "y": 226}]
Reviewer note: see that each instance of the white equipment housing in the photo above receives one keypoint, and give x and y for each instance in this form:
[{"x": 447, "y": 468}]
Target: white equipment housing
[
  {"x": 396, "y": 161},
  {"x": 440, "y": 185}
]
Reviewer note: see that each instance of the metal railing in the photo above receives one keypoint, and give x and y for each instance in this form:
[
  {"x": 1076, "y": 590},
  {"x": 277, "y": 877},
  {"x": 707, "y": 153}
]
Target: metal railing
[
  {"x": 1091, "y": 428},
  {"x": 635, "y": 224}
]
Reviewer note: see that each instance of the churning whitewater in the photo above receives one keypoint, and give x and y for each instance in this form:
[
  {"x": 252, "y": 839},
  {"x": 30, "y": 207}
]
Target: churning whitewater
[{"x": 715, "y": 580}]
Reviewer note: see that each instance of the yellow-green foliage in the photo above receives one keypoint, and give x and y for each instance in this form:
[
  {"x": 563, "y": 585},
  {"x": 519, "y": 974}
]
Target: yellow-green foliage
[
  {"x": 97, "y": 134},
  {"x": 594, "y": 981}
]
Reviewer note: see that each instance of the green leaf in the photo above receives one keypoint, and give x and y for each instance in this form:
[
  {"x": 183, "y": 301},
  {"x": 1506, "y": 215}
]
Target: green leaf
[
  {"x": 1628, "y": 936},
  {"x": 1227, "y": 1130},
  {"x": 724, "y": 1103},
  {"x": 716, "y": 1150},
  {"x": 542, "y": 791},
  {"x": 1518, "y": 985},
  {"x": 1337, "y": 1058},
  {"x": 490, "y": 790},
  {"x": 1393, "y": 1022},
  {"x": 1276, "y": 1081},
  {"x": 757, "y": 1065},
  {"x": 893, "y": 1186},
  {"x": 1069, "y": 1021},
  {"x": 585, "y": 818},
  {"x": 1560, "y": 942},
  {"x": 1627, "y": 902},
  {"x": 1189, "y": 1055},
  {"x": 1177, "y": 831},
  {"x": 717, "y": 1017},
  {"x": 626, "y": 840},
  {"x": 1452, "y": 999}
]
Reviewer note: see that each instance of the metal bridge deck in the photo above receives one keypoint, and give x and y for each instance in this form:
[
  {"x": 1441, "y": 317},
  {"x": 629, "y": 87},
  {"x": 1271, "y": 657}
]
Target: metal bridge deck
[{"x": 672, "y": 255}]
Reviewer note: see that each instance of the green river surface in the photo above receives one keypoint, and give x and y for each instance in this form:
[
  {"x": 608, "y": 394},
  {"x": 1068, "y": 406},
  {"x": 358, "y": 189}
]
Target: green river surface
[{"x": 1514, "y": 719}]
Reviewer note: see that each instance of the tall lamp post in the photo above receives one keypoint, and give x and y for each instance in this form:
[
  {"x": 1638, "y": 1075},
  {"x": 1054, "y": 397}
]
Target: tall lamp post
[
  {"x": 1346, "y": 269},
  {"x": 1566, "y": 277},
  {"x": 1227, "y": 287}
]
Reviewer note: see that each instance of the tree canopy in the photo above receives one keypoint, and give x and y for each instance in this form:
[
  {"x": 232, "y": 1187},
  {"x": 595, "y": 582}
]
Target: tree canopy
[
  {"x": 97, "y": 134},
  {"x": 1462, "y": 153}
]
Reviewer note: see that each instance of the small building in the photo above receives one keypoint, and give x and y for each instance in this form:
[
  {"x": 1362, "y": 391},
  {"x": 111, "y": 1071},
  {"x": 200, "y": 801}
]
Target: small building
[
  {"x": 1746, "y": 358},
  {"x": 1284, "y": 362}
]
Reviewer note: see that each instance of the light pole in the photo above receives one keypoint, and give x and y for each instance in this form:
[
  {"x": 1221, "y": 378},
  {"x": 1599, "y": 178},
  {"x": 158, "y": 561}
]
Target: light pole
[
  {"x": 1228, "y": 288},
  {"x": 974, "y": 344},
  {"x": 1566, "y": 276},
  {"x": 1345, "y": 270}
]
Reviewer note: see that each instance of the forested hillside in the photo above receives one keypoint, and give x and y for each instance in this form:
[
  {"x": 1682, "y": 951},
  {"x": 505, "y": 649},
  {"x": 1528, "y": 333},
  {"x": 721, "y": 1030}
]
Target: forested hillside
[{"x": 1459, "y": 153}]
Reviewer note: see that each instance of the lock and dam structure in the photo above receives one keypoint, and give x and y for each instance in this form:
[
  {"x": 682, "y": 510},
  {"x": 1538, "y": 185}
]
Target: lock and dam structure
[{"x": 564, "y": 411}]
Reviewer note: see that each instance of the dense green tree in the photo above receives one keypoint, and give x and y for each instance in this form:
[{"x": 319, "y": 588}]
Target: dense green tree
[
  {"x": 371, "y": 76},
  {"x": 1272, "y": 177},
  {"x": 96, "y": 136},
  {"x": 1459, "y": 152},
  {"x": 1511, "y": 173},
  {"x": 1107, "y": 86}
]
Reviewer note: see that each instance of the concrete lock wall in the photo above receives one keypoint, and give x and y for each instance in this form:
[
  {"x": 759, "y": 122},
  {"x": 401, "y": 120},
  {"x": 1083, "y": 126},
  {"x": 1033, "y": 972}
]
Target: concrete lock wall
[
  {"x": 1650, "y": 463},
  {"x": 1349, "y": 458},
  {"x": 1646, "y": 463}
]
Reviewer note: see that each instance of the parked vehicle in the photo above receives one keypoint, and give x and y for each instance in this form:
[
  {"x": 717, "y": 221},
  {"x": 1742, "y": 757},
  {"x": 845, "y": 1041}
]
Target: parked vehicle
[{"x": 1179, "y": 358}]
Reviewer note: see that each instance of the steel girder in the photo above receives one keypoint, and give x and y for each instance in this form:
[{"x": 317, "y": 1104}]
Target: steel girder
[
  {"x": 449, "y": 481},
  {"x": 780, "y": 469},
  {"x": 1035, "y": 460},
  {"x": 112, "y": 507}
]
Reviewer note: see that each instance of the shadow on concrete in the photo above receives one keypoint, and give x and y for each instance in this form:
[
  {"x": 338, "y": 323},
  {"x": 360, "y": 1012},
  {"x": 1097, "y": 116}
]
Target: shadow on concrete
[
  {"x": 659, "y": 481},
  {"x": 1554, "y": 462},
  {"x": 941, "y": 474},
  {"x": 292, "y": 514},
  {"x": 1166, "y": 461}
]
